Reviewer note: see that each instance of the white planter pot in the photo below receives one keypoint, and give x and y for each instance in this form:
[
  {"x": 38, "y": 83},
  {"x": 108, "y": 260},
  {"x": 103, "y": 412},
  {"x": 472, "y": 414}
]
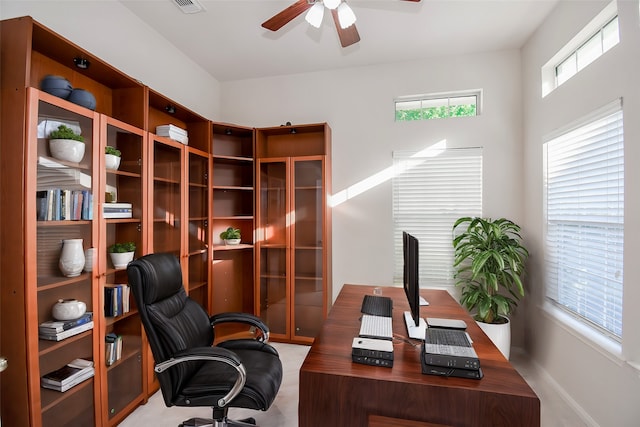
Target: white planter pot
[
  {"x": 67, "y": 149},
  {"x": 111, "y": 162},
  {"x": 121, "y": 260},
  {"x": 499, "y": 334},
  {"x": 231, "y": 241}
]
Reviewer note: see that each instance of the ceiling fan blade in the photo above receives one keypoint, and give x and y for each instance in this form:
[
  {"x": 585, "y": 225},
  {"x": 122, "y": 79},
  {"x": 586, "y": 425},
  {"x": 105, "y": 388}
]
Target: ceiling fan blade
[
  {"x": 279, "y": 20},
  {"x": 349, "y": 35}
]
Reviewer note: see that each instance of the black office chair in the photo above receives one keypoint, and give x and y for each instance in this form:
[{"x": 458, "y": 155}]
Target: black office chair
[{"x": 242, "y": 373}]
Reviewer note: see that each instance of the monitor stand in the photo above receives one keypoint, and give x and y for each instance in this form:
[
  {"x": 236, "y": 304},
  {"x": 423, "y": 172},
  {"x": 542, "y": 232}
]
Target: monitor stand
[{"x": 415, "y": 332}]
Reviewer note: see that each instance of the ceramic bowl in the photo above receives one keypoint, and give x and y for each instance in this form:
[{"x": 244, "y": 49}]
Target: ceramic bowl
[
  {"x": 57, "y": 86},
  {"x": 68, "y": 309},
  {"x": 84, "y": 98},
  {"x": 67, "y": 149}
]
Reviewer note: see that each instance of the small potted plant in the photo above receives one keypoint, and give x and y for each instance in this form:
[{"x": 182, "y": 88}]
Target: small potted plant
[
  {"x": 231, "y": 236},
  {"x": 66, "y": 145},
  {"x": 112, "y": 158},
  {"x": 121, "y": 254},
  {"x": 489, "y": 258}
]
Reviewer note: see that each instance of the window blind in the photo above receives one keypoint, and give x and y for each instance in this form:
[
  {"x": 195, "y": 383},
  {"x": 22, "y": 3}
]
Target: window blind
[
  {"x": 431, "y": 190},
  {"x": 584, "y": 191}
]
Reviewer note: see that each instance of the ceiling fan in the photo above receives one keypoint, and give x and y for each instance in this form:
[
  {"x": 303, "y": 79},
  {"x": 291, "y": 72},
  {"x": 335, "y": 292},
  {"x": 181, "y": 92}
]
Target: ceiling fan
[{"x": 342, "y": 14}]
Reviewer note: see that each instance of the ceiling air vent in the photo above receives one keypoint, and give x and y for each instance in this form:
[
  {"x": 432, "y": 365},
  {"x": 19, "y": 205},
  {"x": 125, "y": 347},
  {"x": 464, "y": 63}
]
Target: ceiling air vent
[{"x": 189, "y": 6}]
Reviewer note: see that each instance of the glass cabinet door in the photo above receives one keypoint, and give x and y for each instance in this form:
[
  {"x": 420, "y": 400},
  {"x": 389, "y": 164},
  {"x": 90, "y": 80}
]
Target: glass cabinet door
[
  {"x": 273, "y": 245},
  {"x": 167, "y": 197},
  {"x": 307, "y": 247},
  {"x": 198, "y": 240},
  {"x": 122, "y": 210}
]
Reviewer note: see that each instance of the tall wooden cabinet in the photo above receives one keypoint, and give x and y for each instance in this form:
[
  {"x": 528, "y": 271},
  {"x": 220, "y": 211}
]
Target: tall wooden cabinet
[
  {"x": 293, "y": 245},
  {"x": 273, "y": 184},
  {"x": 31, "y": 280}
]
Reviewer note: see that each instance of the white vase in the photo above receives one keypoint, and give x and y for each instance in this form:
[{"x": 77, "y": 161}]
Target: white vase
[
  {"x": 89, "y": 259},
  {"x": 71, "y": 258},
  {"x": 499, "y": 334}
]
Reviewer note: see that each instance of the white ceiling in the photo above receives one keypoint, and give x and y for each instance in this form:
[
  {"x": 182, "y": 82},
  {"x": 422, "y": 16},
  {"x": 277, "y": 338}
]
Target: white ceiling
[{"x": 228, "y": 41}]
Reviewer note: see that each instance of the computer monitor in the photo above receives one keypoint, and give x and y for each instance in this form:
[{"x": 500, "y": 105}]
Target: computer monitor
[{"x": 416, "y": 326}]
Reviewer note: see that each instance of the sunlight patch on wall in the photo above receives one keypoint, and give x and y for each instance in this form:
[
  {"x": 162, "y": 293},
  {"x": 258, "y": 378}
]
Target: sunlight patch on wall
[{"x": 386, "y": 174}]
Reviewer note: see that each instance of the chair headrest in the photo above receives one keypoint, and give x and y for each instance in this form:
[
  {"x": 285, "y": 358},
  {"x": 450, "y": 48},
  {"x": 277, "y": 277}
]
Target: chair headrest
[{"x": 161, "y": 276}]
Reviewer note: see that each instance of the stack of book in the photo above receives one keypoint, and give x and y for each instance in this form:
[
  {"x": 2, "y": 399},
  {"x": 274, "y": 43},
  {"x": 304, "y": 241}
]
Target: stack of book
[
  {"x": 173, "y": 132},
  {"x": 57, "y": 330},
  {"x": 117, "y": 210},
  {"x": 113, "y": 348},
  {"x": 68, "y": 376},
  {"x": 116, "y": 300}
]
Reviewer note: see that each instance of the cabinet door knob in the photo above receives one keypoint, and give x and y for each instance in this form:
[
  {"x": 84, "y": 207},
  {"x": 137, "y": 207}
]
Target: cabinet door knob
[{"x": 3, "y": 363}]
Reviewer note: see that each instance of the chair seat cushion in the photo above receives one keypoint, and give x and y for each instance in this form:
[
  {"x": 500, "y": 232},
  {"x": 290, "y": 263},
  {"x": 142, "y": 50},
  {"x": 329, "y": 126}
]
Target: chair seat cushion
[{"x": 213, "y": 380}]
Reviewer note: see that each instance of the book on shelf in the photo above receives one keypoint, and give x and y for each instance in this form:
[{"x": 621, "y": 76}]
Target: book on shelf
[
  {"x": 59, "y": 336},
  {"x": 56, "y": 204},
  {"x": 113, "y": 348},
  {"x": 68, "y": 376},
  {"x": 116, "y": 300},
  {"x": 56, "y": 326}
]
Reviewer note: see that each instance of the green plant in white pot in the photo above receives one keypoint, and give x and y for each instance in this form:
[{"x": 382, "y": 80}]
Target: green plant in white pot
[
  {"x": 65, "y": 144},
  {"x": 121, "y": 254},
  {"x": 489, "y": 259},
  {"x": 112, "y": 158},
  {"x": 231, "y": 236}
]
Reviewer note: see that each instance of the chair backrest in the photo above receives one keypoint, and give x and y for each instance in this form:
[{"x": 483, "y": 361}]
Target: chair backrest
[{"x": 172, "y": 321}]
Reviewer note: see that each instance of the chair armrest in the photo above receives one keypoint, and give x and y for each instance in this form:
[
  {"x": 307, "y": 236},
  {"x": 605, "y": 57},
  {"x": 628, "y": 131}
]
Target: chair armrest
[
  {"x": 250, "y": 319},
  {"x": 210, "y": 354}
]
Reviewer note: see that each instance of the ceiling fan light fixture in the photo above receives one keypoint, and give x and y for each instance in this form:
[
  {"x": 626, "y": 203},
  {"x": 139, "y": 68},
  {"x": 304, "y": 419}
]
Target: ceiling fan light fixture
[
  {"x": 346, "y": 17},
  {"x": 315, "y": 14},
  {"x": 331, "y": 4}
]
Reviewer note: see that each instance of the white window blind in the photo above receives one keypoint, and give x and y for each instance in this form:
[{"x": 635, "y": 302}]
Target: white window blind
[
  {"x": 584, "y": 191},
  {"x": 431, "y": 190}
]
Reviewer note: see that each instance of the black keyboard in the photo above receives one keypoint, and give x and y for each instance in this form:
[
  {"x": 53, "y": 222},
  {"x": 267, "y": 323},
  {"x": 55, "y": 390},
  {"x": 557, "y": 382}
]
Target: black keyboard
[
  {"x": 377, "y": 306},
  {"x": 447, "y": 337}
]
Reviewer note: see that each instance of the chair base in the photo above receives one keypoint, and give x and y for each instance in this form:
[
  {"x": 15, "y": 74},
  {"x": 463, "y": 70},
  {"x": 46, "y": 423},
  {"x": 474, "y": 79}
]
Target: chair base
[{"x": 225, "y": 422}]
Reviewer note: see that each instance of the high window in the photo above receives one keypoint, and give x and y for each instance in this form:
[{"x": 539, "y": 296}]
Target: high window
[
  {"x": 584, "y": 201},
  {"x": 431, "y": 190},
  {"x": 437, "y": 106},
  {"x": 596, "y": 38},
  {"x": 607, "y": 37}
]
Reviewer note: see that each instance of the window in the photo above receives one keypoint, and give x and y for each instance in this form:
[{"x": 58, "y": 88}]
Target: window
[
  {"x": 437, "y": 106},
  {"x": 431, "y": 190},
  {"x": 599, "y": 43},
  {"x": 584, "y": 201},
  {"x": 597, "y": 37}
]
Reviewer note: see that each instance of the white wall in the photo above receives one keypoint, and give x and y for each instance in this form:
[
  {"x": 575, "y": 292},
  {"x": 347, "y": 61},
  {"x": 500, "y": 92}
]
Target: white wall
[
  {"x": 114, "y": 34},
  {"x": 358, "y": 105},
  {"x": 602, "y": 386}
]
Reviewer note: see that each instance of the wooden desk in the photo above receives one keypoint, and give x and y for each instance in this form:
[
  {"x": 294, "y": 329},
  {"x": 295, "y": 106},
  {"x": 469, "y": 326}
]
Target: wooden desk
[{"x": 334, "y": 391}]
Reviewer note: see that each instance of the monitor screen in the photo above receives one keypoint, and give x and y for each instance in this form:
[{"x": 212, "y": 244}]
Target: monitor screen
[{"x": 411, "y": 275}]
